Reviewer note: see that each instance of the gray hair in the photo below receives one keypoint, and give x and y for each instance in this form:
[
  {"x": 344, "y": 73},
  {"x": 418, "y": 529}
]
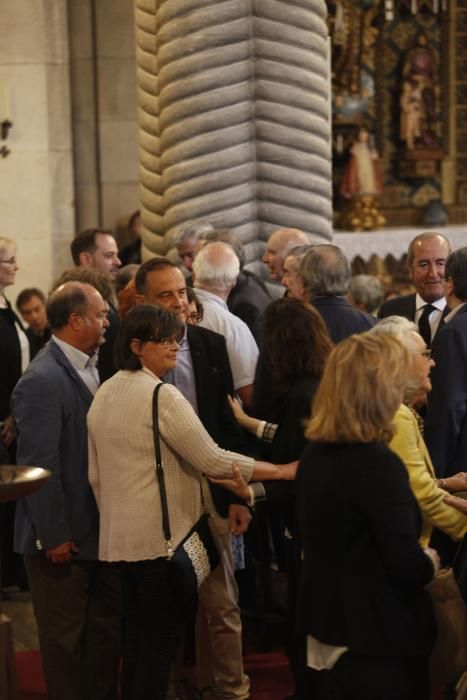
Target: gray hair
[
  {"x": 368, "y": 291},
  {"x": 216, "y": 266},
  {"x": 407, "y": 332},
  {"x": 191, "y": 229},
  {"x": 325, "y": 271},
  {"x": 226, "y": 236},
  {"x": 299, "y": 251}
]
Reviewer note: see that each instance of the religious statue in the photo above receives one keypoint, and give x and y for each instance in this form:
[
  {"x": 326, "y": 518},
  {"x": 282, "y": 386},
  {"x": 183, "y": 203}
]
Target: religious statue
[
  {"x": 362, "y": 173},
  {"x": 361, "y": 184},
  {"x": 411, "y": 110},
  {"x": 418, "y": 119}
]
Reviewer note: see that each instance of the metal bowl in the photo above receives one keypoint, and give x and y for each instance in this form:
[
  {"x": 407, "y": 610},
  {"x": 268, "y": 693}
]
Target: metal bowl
[{"x": 18, "y": 481}]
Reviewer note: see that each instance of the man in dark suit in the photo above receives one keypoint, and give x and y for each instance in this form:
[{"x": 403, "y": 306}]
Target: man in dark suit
[
  {"x": 97, "y": 248},
  {"x": 446, "y": 420},
  {"x": 325, "y": 272},
  {"x": 31, "y": 305},
  {"x": 75, "y": 596},
  {"x": 204, "y": 377},
  {"x": 426, "y": 259}
]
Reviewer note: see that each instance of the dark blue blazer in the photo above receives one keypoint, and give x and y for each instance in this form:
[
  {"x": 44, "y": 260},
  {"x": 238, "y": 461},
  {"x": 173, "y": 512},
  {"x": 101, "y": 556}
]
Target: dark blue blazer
[
  {"x": 341, "y": 318},
  {"x": 50, "y": 404},
  {"x": 400, "y": 306},
  {"x": 446, "y": 420}
]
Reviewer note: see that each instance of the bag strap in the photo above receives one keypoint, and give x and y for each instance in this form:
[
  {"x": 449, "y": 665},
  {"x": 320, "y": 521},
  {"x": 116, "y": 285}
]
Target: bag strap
[{"x": 160, "y": 472}]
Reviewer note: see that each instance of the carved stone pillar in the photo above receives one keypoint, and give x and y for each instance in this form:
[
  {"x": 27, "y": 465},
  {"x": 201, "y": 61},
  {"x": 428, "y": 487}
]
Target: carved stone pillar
[{"x": 233, "y": 103}]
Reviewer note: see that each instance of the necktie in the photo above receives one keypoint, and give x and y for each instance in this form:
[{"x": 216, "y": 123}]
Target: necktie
[{"x": 424, "y": 324}]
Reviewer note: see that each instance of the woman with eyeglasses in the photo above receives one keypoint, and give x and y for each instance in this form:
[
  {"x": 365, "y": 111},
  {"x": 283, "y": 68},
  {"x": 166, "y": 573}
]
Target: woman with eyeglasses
[
  {"x": 14, "y": 343},
  {"x": 15, "y": 356},
  {"x": 123, "y": 477},
  {"x": 362, "y": 604},
  {"x": 408, "y": 443}
]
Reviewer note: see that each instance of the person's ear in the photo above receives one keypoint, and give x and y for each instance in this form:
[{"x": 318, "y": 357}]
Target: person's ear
[
  {"x": 139, "y": 299},
  {"x": 74, "y": 321},
  {"x": 135, "y": 347},
  {"x": 85, "y": 259}
]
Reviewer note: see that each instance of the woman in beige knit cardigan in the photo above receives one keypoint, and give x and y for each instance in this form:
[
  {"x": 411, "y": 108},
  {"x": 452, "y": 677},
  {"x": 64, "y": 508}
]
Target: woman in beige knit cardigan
[{"x": 123, "y": 477}]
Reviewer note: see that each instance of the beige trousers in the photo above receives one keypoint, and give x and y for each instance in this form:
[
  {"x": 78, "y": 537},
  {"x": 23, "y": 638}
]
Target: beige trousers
[{"x": 219, "y": 661}]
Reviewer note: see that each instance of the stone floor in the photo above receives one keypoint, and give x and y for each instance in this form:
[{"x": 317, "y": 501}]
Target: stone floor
[{"x": 19, "y": 609}]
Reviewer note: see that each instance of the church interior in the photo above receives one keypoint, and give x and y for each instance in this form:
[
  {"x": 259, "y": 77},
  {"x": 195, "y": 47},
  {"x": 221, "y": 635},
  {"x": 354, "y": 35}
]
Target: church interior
[{"x": 92, "y": 128}]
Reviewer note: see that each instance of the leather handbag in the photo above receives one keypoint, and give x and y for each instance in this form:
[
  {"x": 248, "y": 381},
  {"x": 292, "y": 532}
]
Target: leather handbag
[
  {"x": 197, "y": 554},
  {"x": 449, "y": 656}
]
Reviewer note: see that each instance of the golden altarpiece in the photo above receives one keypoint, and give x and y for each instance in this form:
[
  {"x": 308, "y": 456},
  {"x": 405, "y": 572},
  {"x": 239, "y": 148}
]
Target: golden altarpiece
[{"x": 399, "y": 110}]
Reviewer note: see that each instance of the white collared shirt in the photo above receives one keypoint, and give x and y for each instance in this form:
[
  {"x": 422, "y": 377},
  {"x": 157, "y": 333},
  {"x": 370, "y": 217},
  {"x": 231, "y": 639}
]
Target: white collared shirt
[
  {"x": 84, "y": 365},
  {"x": 241, "y": 345},
  {"x": 434, "y": 318}
]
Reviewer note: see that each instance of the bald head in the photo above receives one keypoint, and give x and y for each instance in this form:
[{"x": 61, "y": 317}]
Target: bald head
[
  {"x": 278, "y": 246},
  {"x": 77, "y": 315},
  {"x": 216, "y": 268},
  {"x": 428, "y": 237},
  {"x": 426, "y": 259}
]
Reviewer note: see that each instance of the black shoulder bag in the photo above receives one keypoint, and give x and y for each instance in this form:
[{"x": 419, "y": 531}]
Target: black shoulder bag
[{"x": 197, "y": 554}]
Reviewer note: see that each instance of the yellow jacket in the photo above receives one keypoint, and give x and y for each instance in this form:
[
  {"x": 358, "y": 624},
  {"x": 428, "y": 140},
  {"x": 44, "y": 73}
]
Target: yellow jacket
[{"x": 409, "y": 445}]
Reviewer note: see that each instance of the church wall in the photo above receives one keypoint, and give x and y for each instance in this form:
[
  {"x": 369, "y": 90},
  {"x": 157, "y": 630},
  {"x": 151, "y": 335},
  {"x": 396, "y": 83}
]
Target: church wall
[
  {"x": 36, "y": 194},
  {"x": 67, "y": 82},
  {"x": 104, "y": 98}
]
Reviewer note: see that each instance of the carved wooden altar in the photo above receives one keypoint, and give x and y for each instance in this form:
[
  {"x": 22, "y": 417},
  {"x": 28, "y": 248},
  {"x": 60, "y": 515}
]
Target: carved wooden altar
[{"x": 398, "y": 69}]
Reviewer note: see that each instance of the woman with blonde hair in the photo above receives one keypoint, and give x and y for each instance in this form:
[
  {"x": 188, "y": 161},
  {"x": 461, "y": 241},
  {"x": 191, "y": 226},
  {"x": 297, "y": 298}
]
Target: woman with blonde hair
[
  {"x": 368, "y": 620},
  {"x": 408, "y": 443}
]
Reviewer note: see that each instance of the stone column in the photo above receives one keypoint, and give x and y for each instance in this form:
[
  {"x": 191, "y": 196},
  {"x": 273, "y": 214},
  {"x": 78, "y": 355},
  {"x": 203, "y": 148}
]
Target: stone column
[{"x": 234, "y": 117}]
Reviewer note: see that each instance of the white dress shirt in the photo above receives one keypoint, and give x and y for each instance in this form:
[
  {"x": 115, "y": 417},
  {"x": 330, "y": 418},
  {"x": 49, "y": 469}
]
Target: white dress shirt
[
  {"x": 434, "y": 318},
  {"x": 241, "y": 345},
  {"x": 84, "y": 365}
]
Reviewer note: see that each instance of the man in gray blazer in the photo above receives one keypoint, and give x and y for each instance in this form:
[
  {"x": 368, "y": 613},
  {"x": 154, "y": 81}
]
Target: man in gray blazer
[{"x": 75, "y": 597}]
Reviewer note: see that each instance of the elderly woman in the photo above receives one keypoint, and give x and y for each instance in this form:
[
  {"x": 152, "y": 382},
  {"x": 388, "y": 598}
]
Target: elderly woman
[
  {"x": 362, "y": 601},
  {"x": 14, "y": 344},
  {"x": 123, "y": 478},
  {"x": 15, "y": 356},
  {"x": 408, "y": 442}
]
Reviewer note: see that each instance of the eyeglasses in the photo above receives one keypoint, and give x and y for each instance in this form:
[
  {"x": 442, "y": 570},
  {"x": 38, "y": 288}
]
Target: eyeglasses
[
  {"x": 195, "y": 317},
  {"x": 187, "y": 255},
  {"x": 11, "y": 261},
  {"x": 169, "y": 340}
]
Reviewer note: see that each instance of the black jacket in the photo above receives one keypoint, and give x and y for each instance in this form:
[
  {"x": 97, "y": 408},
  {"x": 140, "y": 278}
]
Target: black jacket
[
  {"x": 213, "y": 379},
  {"x": 363, "y": 570}
]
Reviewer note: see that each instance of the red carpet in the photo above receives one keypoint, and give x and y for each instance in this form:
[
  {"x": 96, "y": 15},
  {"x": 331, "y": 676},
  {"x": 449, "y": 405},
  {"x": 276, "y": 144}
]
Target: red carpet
[{"x": 269, "y": 673}]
